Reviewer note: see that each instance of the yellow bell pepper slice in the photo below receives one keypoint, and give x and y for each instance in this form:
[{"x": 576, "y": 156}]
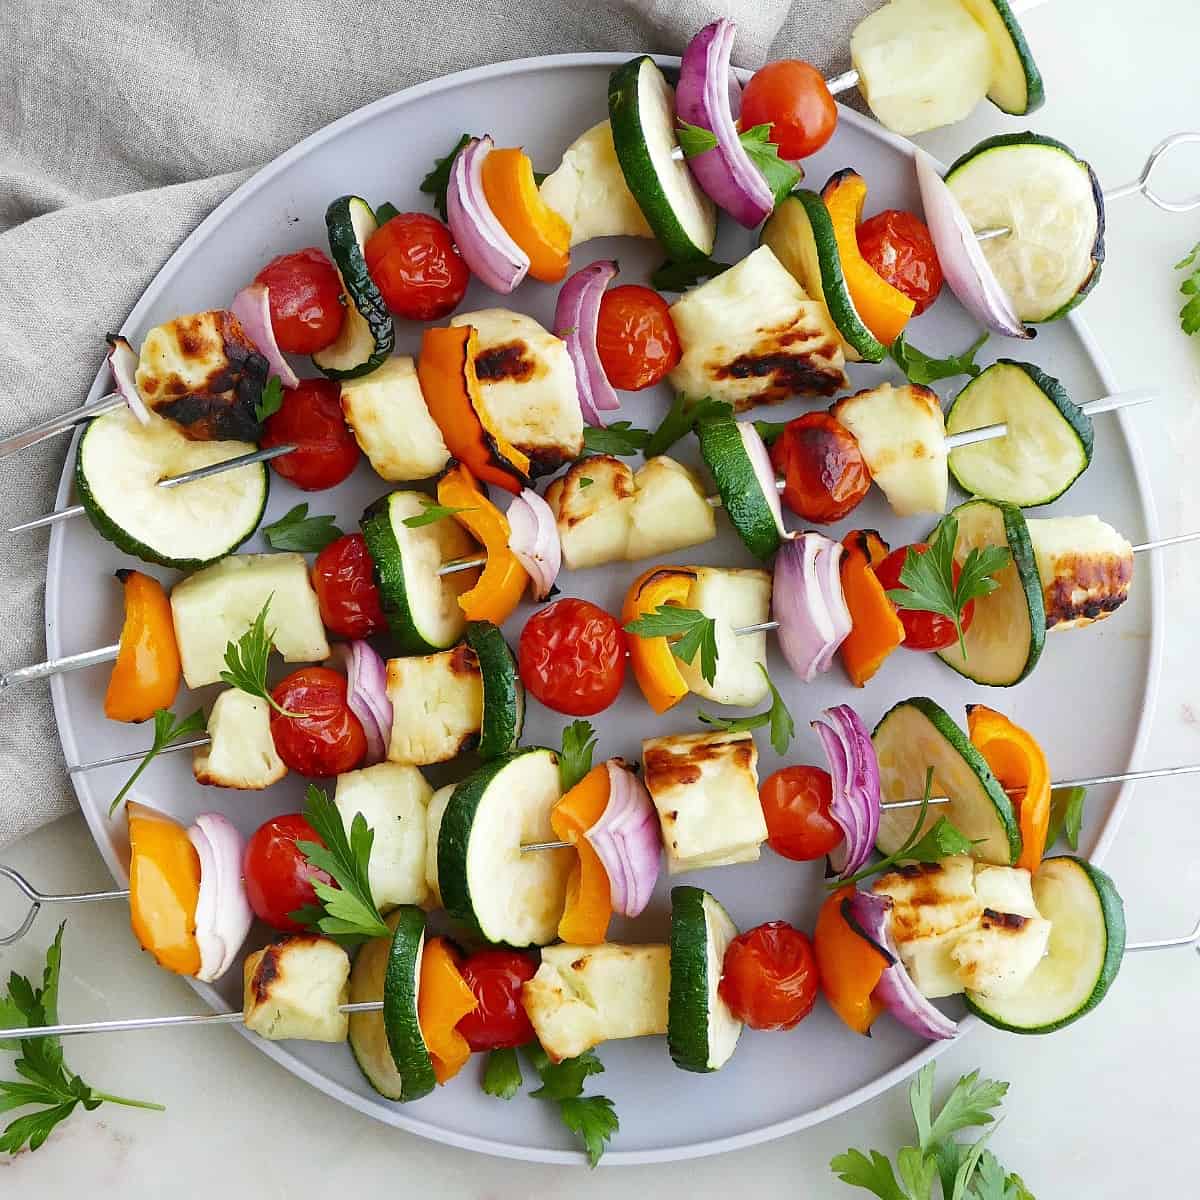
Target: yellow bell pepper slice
[
  {"x": 164, "y": 886},
  {"x": 443, "y": 998},
  {"x": 512, "y": 194},
  {"x": 654, "y": 666},
  {"x": 589, "y": 893},
  {"x": 876, "y": 629},
  {"x": 146, "y": 674},
  {"x": 849, "y": 966}
]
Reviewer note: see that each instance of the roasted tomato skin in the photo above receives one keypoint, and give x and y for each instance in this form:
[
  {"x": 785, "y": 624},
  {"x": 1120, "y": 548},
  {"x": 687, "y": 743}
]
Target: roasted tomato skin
[
  {"x": 797, "y": 803},
  {"x": 325, "y": 738},
  {"x": 636, "y": 337},
  {"x": 278, "y": 877},
  {"x": 304, "y": 295},
  {"x": 415, "y": 264},
  {"x": 769, "y": 977},
  {"x": 310, "y": 418},
  {"x": 922, "y": 630},
  {"x": 899, "y": 248},
  {"x": 825, "y": 475},
  {"x": 572, "y": 657},
  {"x": 496, "y": 977},
  {"x": 343, "y": 577}
]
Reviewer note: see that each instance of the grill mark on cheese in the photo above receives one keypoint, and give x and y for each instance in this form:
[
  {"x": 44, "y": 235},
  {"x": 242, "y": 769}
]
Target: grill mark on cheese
[
  {"x": 511, "y": 361},
  {"x": 791, "y": 370},
  {"x": 1087, "y": 587},
  {"x": 268, "y": 969},
  {"x": 1013, "y": 922},
  {"x": 463, "y": 660}
]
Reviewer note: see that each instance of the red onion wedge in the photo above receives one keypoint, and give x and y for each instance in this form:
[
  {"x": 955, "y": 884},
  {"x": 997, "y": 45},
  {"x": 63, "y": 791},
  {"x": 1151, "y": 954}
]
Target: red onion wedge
[
  {"x": 223, "y": 915},
  {"x": 627, "y": 840},
  {"x": 856, "y": 789},
  {"x": 871, "y": 916},
  {"x": 366, "y": 694},
  {"x": 575, "y": 318},
  {"x": 708, "y": 95},
  {"x": 808, "y": 602},
  {"x": 964, "y": 263},
  {"x": 533, "y": 538},
  {"x": 764, "y": 471},
  {"x": 482, "y": 240},
  {"x": 122, "y": 361},
  {"x": 252, "y": 307}
]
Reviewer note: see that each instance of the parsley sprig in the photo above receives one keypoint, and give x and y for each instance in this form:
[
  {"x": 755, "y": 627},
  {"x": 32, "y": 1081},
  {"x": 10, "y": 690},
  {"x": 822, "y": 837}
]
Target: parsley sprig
[
  {"x": 502, "y": 1074},
  {"x": 438, "y": 180},
  {"x": 246, "y": 660},
  {"x": 271, "y": 400},
  {"x": 690, "y": 631},
  {"x": 621, "y": 438},
  {"x": 1189, "y": 314},
  {"x": 592, "y": 1118},
  {"x": 679, "y": 276},
  {"x": 433, "y": 512},
  {"x": 296, "y": 530},
  {"x": 923, "y": 368},
  {"x": 167, "y": 729},
  {"x": 928, "y": 579},
  {"x": 575, "y": 758},
  {"x": 347, "y": 912},
  {"x": 46, "y": 1085},
  {"x": 779, "y": 174},
  {"x": 682, "y": 417},
  {"x": 1066, "y": 815},
  {"x": 778, "y": 717}
]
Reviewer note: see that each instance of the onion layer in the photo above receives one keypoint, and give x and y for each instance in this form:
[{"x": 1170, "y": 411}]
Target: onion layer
[
  {"x": 223, "y": 914},
  {"x": 764, "y": 471},
  {"x": 856, "y": 789},
  {"x": 252, "y": 307},
  {"x": 575, "y": 319},
  {"x": 366, "y": 695},
  {"x": 486, "y": 246},
  {"x": 627, "y": 840},
  {"x": 533, "y": 538},
  {"x": 808, "y": 602},
  {"x": 122, "y": 361}
]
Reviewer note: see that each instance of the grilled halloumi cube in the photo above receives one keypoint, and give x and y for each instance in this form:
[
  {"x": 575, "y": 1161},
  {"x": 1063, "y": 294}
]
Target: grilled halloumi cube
[
  {"x": 218, "y": 604},
  {"x": 588, "y": 190},
  {"x": 294, "y": 988},
  {"x": 584, "y": 995},
  {"x": 734, "y": 598},
  {"x": 437, "y": 706},
  {"x": 593, "y": 507},
  {"x": 205, "y": 375},
  {"x": 752, "y": 336},
  {"x": 528, "y": 385},
  {"x": 705, "y": 790},
  {"x": 1086, "y": 568},
  {"x": 1002, "y": 951},
  {"x": 387, "y": 414},
  {"x": 670, "y": 511},
  {"x": 241, "y": 752},
  {"x": 393, "y": 800},
  {"x": 433, "y": 827},
  {"x": 902, "y": 435}
]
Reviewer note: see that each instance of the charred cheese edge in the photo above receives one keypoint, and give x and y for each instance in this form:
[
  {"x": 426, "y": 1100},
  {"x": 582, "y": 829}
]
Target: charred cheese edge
[
  {"x": 437, "y": 706},
  {"x": 1085, "y": 566}
]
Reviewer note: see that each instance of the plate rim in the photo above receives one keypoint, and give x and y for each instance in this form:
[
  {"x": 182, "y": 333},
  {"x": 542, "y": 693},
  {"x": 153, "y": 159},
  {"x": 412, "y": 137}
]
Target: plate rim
[{"x": 376, "y": 1107}]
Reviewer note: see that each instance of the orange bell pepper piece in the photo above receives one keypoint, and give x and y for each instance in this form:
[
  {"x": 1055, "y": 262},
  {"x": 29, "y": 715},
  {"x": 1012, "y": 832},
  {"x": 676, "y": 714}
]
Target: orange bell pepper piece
[
  {"x": 446, "y": 372},
  {"x": 876, "y": 629},
  {"x": 502, "y": 582},
  {"x": 443, "y": 998},
  {"x": 884, "y": 310},
  {"x": 654, "y": 666},
  {"x": 1020, "y": 765},
  {"x": 146, "y": 674},
  {"x": 849, "y": 965},
  {"x": 589, "y": 893},
  {"x": 512, "y": 194},
  {"x": 164, "y": 885}
]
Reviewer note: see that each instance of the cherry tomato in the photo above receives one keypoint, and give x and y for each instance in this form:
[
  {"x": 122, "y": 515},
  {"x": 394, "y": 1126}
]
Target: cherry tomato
[
  {"x": 415, "y": 264},
  {"x": 922, "y": 630},
  {"x": 769, "y": 978},
  {"x": 496, "y": 976},
  {"x": 343, "y": 577},
  {"x": 825, "y": 474},
  {"x": 278, "y": 878},
  {"x": 311, "y": 418},
  {"x": 636, "y": 337},
  {"x": 326, "y": 738},
  {"x": 796, "y": 803},
  {"x": 572, "y": 657},
  {"x": 791, "y": 97},
  {"x": 305, "y": 297},
  {"x": 898, "y": 247}
]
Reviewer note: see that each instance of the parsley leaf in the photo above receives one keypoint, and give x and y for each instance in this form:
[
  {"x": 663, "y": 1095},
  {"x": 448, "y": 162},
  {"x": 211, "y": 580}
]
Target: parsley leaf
[
  {"x": 872, "y": 1174},
  {"x": 432, "y": 513},
  {"x": 917, "y": 1172},
  {"x": 595, "y": 1121},
  {"x": 347, "y": 912},
  {"x": 585, "y": 482},
  {"x": 562, "y": 1080},
  {"x": 438, "y": 180},
  {"x": 271, "y": 400},
  {"x": 620, "y": 438},
  {"x": 166, "y": 730},
  {"x": 1189, "y": 314},
  {"x": 924, "y": 369},
  {"x": 694, "y": 139},
  {"x": 777, "y": 716},
  {"x": 1066, "y": 815},
  {"x": 385, "y": 212},
  {"x": 502, "y": 1074},
  {"x": 296, "y": 530},
  {"x": 678, "y": 277},
  {"x": 928, "y": 578},
  {"x": 695, "y": 632},
  {"x": 968, "y": 1106},
  {"x": 575, "y": 758},
  {"x": 592, "y": 1118},
  {"x": 682, "y": 417},
  {"x": 770, "y": 430},
  {"x": 992, "y": 1182},
  {"x": 45, "y": 1080},
  {"x": 246, "y": 660},
  {"x": 779, "y": 174}
]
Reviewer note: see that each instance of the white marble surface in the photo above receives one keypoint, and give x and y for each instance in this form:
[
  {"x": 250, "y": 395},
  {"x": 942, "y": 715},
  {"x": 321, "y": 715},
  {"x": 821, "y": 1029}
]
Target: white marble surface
[{"x": 1097, "y": 1110}]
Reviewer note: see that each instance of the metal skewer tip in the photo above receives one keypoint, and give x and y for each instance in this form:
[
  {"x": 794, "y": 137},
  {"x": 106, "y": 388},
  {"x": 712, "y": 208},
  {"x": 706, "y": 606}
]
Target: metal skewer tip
[{"x": 44, "y": 430}]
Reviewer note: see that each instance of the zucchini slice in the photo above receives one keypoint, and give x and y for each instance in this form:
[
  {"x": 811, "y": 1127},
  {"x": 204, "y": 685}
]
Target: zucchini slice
[
  {"x": 1087, "y": 942},
  {"x": 485, "y": 881},
  {"x": 1016, "y": 86},
  {"x": 728, "y": 450},
  {"x": 421, "y": 606},
  {"x": 117, "y": 471},
  {"x": 800, "y": 232},
  {"x": 1052, "y": 203},
  {"x": 702, "y": 1033},
  {"x": 1006, "y": 637},
  {"x": 388, "y": 1046},
  {"x": 641, "y": 110},
  {"x": 368, "y": 333},
  {"x": 503, "y": 693},
  {"x": 918, "y": 734},
  {"x": 1049, "y": 442}
]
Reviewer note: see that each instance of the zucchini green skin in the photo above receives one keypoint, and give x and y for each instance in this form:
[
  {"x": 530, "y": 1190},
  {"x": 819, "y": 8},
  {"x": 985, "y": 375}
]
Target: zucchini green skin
[
  {"x": 376, "y": 526},
  {"x": 110, "y": 531},
  {"x": 503, "y": 693},
  {"x": 687, "y": 1003},
  {"x": 1035, "y": 89},
  {"x": 1113, "y": 910},
  {"x": 401, "y": 984},
  {"x": 749, "y": 513}
]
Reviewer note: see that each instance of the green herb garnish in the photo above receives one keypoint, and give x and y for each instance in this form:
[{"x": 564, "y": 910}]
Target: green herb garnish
[
  {"x": 777, "y": 717},
  {"x": 575, "y": 757},
  {"x": 166, "y": 731},
  {"x": 682, "y": 417},
  {"x": 246, "y": 660},
  {"x": 1189, "y": 314},
  {"x": 592, "y": 1118},
  {"x": 678, "y": 277},
  {"x": 432, "y": 512},
  {"x": 1066, "y": 815},
  {"x": 296, "y": 530},
  {"x": 271, "y": 400},
  {"x": 438, "y": 180},
  {"x": 924, "y": 369},
  {"x": 585, "y": 482},
  {"x": 693, "y": 631},
  {"x": 620, "y": 438},
  {"x": 385, "y": 212},
  {"x": 502, "y": 1074}
]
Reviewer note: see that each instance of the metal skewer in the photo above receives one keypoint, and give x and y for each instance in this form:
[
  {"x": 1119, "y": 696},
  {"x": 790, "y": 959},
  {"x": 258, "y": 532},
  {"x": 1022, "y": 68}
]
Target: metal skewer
[{"x": 49, "y": 428}]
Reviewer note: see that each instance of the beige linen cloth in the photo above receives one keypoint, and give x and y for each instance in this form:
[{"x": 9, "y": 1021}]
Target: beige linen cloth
[{"x": 124, "y": 122}]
